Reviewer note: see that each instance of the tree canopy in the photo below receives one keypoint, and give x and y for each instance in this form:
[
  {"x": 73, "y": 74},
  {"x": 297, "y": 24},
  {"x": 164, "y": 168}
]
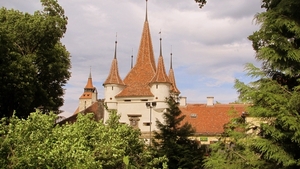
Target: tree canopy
[
  {"x": 269, "y": 137},
  {"x": 34, "y": 64},
  {"x": 38, "y": 143},
  {"x": 201, "y": 3}
]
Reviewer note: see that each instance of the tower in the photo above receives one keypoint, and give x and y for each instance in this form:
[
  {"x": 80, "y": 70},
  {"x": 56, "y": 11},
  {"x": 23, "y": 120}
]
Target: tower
[
  {"x": 141, "y": 96},
  {"x": 89, "y": 95},
  {"x": 160, "y": 83},
  {"x": 113, "y": 85}
]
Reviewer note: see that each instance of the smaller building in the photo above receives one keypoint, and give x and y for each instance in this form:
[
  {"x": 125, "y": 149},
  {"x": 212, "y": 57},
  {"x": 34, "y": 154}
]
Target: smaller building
[
  {"x": 88, "y": 103},
  {"x": 209, "y": 119}
]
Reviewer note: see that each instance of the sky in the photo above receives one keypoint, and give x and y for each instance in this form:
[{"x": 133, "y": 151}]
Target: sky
[{"x": 209, "y": 45}]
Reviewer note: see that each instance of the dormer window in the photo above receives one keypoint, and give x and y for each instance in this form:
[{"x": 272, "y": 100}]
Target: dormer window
[{"x": 193, "y": 115}]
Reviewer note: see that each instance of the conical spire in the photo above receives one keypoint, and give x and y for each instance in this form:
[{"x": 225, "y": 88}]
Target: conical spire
[
  {"x": 174, "y": 88},
  {"x": 89, "y": 88},
  {"x": 89, "y": 84},
  {"x": 160, "y": 75},
  {"x": 145, "y": 55},
  {"x": 140, "y": 75},
  {"x": 114, "y": 77}
]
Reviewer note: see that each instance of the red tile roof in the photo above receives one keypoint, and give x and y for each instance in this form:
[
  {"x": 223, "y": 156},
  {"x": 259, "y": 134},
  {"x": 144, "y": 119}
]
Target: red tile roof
[
  {"x": 88, "y": 89},
  {"x": 89, "y": 83},
  {"x": 96, "y": 108},
  {"x": 114, "y": 77},
  {"x": 174, "y": 88},
  {"x": 210, "y": 120},
  {"x": 137, "y": 80},
  {"x": 86, "y": 95},
  {"x": 160, "y": 75}
]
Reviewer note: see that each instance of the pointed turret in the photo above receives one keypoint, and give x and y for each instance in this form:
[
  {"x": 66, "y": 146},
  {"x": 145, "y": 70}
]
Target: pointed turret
[
  {"x": 174, "y": 88},
  {"x": 89, "y": 95},
  {"x": 140, "y": 75},
  {"x": 114, "y": 77},
  {"x": 113, "y": 84},
  {"x": 161, "y": 75},
  {"x": 160, "y": 83},
  {"x": 89, "y": 88},
  {"x": 89, "y": 84}
]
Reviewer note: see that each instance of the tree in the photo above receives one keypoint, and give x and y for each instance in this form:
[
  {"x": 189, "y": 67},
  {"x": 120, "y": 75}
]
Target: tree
[
  {"x": 232, "y": 149},
  {"x": 172, "y": 139},
  {"x": 201, "y": 3},
  {"x": 274, "y": 95},
  {"x": 37, "y": 143},
  {"x": 34, "y": 64}
]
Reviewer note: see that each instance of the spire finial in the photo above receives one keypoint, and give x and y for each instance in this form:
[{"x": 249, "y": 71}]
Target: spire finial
[
  {"x": 146, "y": 10},
  {"x": 160, "y": 52},
  {"x": 171, "y": 61},
  {"x": 115, "y": 57},
  {"x": 132, "y": 58},
  {"x": 90, "y": 76}
]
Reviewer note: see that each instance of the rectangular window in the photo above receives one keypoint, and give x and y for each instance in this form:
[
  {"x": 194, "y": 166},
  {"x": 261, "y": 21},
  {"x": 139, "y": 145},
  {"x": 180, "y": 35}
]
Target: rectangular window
[
  {"x": 203, "y": 139},
  {"x": 127, "y": 100},
  {"x": 146, "y": 123}
]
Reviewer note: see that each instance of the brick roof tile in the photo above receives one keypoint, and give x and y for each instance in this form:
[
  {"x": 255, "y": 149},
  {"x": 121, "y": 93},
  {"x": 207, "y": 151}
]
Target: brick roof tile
[
  {"x": 137, "y": 80},
  {"x": 114, "y": 77},
  {"x": 89, "y": 83},
  {"x": 88, "y": 89},
  {"x": 210, "y": 120},
  {"x": 160, "y": 75},
  {"x": 174, "y": 88}
]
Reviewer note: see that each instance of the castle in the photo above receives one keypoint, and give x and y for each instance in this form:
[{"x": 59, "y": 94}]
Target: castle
[{"x": 140, "y": 97}]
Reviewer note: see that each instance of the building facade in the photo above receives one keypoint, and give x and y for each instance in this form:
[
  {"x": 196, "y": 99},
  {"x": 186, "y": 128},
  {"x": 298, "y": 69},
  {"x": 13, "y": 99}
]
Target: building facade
[{"x": 140, "y": 97}]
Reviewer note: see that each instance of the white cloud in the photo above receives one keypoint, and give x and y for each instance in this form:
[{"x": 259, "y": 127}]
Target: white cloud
[{"x": 209, "y": 45}]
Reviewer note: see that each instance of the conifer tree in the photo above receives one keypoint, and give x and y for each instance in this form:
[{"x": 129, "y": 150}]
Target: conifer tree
[
  {"x": 172, "y": 139},
  {"x": 274, "y": 96}
]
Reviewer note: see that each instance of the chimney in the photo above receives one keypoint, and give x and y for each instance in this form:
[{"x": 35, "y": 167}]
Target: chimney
[
  {"x": 182, "y": 101},
  {"x": 210, "y": 101}
]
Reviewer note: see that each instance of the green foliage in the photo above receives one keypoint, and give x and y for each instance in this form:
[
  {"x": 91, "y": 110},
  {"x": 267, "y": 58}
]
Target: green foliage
[
  {"x": 277, "y": 42},
  {"x": 233, "y": 150},
  {"x": 201, "y": 3},
  {"x": 272, "y": 140},
  {"x": 38, "y": 143},
  {"x": 34, "y": 64},
  {"x": 172, "y": 140}
]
